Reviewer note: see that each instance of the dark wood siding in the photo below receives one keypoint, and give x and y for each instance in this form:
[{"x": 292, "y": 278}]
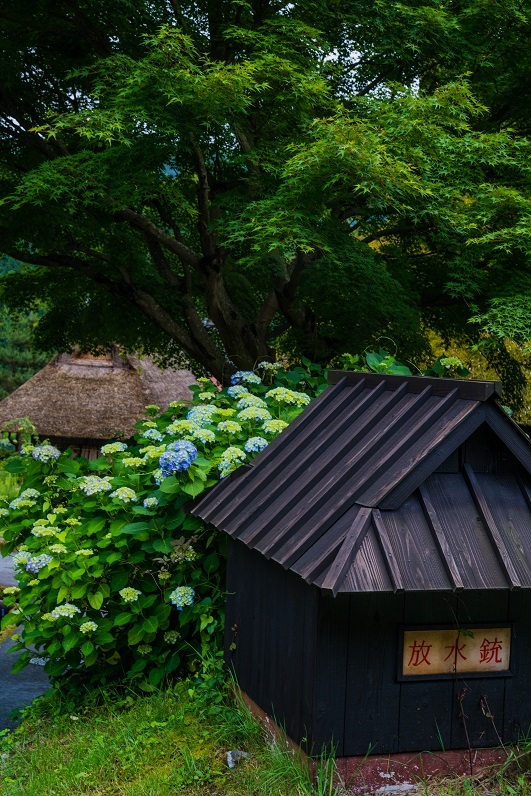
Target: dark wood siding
[
  {"x": 327, "y": 668},
  {"x": 271, "y": 627},
  {"x": 372, "y": 696},
  {"x": 517, "y": 708},
  {"x": 427, "y": 706},
  {"x": 479, "y": 703}
]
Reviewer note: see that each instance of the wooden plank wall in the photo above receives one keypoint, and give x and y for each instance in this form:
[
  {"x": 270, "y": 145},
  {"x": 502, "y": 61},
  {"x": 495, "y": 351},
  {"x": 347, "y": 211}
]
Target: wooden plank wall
[
  {"x": 326, "y": 668},
  {"x": 383, "y": 714},
  {"x": 274, "y": 614},
  {"x": 372, "y": 699},
  {"x": 479, "y": 702},
  {"x": 427, "y": 706}
]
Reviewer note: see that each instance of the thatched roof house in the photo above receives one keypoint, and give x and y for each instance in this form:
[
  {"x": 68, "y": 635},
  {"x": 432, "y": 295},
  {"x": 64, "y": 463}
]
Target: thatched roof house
[{"x": 82, "y": 400}]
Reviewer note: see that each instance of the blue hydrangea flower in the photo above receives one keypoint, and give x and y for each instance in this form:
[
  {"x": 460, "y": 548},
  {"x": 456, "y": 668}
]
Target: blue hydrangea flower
[
  {"x": 150, "y": 502},
  {"x": 30, "y": 494},
  {"x": 236, "y": 390},
  {"x": 181, "y": 596},
  {"x": 201, "y": 415},
  {"x": 125, "y": 494},
  {"x": 92, "y": 484},
  {"x": 45, "y": 453},
  {"x": 177, "y": 457},
  {"x": 254, "y": 413},
  {"x": 153, "y": 434},
  {"x": 245, "y": 376},
  {"x": 39, "y": 562},
  {"x": 255, "y": 444}
]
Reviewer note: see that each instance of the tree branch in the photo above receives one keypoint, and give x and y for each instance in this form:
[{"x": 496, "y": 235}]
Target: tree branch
[
  {"x": 145, "y": 225},
  {"x": 199, "y": 347},
  {"x": 208, "y": 245}
]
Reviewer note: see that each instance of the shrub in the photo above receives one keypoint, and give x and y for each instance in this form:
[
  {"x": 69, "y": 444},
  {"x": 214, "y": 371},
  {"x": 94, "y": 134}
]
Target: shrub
[{"x": 116, "y": 580}]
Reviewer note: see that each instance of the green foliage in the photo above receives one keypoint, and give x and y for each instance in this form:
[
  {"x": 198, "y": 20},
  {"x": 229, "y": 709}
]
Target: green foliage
[
  {"x": 235, "y": 161},
  {"x": 104, "y": 547},
  {"x": 450, "y": 367},
  {"x": 18, "y": 359}
]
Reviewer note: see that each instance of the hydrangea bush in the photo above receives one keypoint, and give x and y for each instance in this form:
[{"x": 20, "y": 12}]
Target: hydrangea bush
[{"x": 116, "y": 580}]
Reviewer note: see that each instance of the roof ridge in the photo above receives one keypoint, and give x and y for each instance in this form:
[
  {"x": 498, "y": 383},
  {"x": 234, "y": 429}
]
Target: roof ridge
[{"x": 471, "y": 389}]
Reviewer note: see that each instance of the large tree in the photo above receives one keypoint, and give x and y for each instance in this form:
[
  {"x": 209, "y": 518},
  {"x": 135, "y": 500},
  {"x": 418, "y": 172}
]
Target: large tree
[{"x": 223, "y": 176}]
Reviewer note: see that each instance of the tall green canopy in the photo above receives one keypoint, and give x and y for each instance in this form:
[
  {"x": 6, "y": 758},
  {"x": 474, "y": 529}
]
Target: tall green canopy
[{"x": 223, "y": 177}]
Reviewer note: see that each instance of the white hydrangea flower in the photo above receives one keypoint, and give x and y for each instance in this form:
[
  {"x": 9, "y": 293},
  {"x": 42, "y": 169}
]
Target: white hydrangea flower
[
  {"x": 113, "y": 447},
  {"x": 124, "y": 494}
]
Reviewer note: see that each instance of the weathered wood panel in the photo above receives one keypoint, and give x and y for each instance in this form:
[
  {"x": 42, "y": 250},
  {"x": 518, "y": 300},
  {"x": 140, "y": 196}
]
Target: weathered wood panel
[
  {"x": 271, "y": 625},
  {"x": 330, "y": 673},
  {"x": 485, "y": 452},
  {"x": 426, "y": 705},
  {"x": 372, "y": 696},
  {"x": 478, "y": 716},
  {"x": 517, "y": 718}
]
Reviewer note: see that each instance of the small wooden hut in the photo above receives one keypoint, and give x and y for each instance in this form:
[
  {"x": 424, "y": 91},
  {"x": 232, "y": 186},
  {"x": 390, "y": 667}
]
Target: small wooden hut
[
  {"x": 379, "y": 572},
  {"x": 82, "y": 401}
]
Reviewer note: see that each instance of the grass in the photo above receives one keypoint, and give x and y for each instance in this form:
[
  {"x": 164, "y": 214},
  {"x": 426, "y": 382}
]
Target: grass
[
  {"x": 175, "y": 743},
  {"x": 161, "y": 745}
]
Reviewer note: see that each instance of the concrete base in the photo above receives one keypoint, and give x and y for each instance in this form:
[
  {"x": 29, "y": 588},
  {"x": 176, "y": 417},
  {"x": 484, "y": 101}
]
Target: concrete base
[
  {"x": 388, "y": 774},
  {"x": 394, "y": 773}
]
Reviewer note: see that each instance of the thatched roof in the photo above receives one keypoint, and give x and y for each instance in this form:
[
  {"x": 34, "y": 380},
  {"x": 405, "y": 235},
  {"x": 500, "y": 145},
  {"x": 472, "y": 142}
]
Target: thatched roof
[{"x": 94, "y": 397}]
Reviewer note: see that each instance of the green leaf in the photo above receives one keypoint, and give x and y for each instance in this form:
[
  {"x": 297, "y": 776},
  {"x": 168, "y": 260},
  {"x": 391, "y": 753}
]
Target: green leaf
[
  {"x": 170, "y": 485},
  {"x": 104, "y": 638},
  {"x": 192, "y": 523},
  {"x": 68, "y": 466},
  {"x": 91, "y": 658},
  {"x": 95, "y": 525},
  {"x": 116, "y": 526},
  {"x": 79, "y": 591},
  {"x": 15, "y": 466},
  {"x": 193, "y": 489},
  {"x": 150, "y": 624},
  {"x": 21, "y": 663},
  {"x": 161, "y": 546},
  {"x": 113, "y": 557},
  {"x": 95, "y": 600},
  {"x": 373, "y": 361},
  {"x": 147, "y": 687},
  {"x": 11, "y": 619},
  {"x": 63, "y": 593},
  {"x": 55, "y": 668},
  {"x": 211, "y": 562},
  {"x": 155, "y": 676},
  {"x": 122, "y": 619},
  {"x": 135, "y": 527},
  {"x": 162, "y": 611},
  {"x": 173, "y": 663},
  {"x": 87, "y": 648},
  {"x": 71, "y": 641},
  {"x": 119, "y": 580},
  {"x": 135, "y": 635},
  {"x": 54, "y": 647}
]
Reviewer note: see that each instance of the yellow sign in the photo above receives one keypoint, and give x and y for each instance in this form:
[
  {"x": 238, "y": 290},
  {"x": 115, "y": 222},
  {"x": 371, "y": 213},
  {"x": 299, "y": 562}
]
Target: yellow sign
[{"x": 451, "y": 651}]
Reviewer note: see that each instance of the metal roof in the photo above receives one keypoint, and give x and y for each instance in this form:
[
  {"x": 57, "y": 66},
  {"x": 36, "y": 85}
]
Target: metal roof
[{"x": 349, "y": 496}]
